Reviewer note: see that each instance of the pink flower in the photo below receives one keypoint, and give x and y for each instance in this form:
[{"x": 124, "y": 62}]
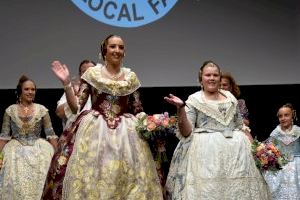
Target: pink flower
[
  {"x": 157, "y": 119},
  {"x": 151, "y": 126}
]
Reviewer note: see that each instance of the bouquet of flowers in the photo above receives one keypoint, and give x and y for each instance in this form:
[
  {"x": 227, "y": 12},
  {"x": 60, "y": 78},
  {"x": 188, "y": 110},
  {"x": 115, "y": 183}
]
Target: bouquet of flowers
[
  {"x": 267, "y": 157},
  {"x": 155, "y": 129}
]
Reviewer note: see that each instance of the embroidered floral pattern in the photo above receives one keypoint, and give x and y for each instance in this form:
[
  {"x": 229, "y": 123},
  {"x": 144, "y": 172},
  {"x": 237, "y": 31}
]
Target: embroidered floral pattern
[{"x": 115, "y": 88}]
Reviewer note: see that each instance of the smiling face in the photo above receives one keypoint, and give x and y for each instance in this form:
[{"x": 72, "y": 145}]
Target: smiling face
[
  {"x": 28, "y": 90},
  {"x": 225, "y": 84},
  {"x": 210, "y": 78},
  {"x": 285, "y": 117},
  {"x": 114, "y": 50}
]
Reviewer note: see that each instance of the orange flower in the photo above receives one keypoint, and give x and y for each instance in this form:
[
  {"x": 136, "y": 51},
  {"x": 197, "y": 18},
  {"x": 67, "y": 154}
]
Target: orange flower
[
  {"x": 173, "y": 120},
  {"x": 165, "y": 122},
  {"x": 151, "y": 126},
  {"x": 150, "y": 118},
  {"x": 260, "y": 147},
  {"x": 264, "y": 160}
]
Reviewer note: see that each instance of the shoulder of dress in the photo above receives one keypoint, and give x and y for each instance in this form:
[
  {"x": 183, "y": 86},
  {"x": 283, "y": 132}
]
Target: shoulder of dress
[
  {"x": 41, "y": 109},
  {"x": 11, "y": 108}
]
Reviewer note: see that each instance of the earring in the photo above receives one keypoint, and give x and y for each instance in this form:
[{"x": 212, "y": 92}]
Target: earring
[{"x": 100, "y": 56}]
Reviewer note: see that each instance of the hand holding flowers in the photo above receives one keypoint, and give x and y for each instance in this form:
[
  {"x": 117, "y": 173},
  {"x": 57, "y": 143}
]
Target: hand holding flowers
[
  {"x": 267, "y": 157},
  {"x": 155, "y": 129}
]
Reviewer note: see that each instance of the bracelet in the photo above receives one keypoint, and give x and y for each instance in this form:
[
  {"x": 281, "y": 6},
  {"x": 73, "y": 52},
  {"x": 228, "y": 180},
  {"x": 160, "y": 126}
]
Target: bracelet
[{"x": 68, "y": 86}]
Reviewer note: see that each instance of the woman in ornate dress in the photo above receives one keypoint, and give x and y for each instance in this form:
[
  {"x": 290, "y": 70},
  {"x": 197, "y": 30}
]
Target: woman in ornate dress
[
  {"x": 27, "y": 156},
  {"x": 213, "y": 159},
  {"x": 285, "y": 184},
  {"x": 228, "y": 83},
  {"x": 106, "y": 159}
]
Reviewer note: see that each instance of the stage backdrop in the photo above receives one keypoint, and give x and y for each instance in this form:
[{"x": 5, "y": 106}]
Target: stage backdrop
[
  {"x": 263, "y": 102},
  {"x": 166, "y": 41}
]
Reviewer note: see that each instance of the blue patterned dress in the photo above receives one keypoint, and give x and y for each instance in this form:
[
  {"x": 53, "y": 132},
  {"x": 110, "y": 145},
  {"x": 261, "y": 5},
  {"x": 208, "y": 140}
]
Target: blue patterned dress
[
  {"x": 215, "y": 161},
  {"x": 285, "y": 184},
  {"x": 27, "y": 156}
]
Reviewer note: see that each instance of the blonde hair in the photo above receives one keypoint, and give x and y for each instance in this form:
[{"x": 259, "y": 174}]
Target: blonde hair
[{"x": 208, "y": 63}]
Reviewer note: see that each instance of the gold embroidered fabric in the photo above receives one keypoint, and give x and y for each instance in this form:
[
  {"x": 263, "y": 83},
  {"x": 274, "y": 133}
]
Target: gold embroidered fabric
[
  {"x": 26, "y": 130},
  {"x": 109, "y": 158},
  {"x": 94, "y": 77},
  {"x": 26, "y": 156}
]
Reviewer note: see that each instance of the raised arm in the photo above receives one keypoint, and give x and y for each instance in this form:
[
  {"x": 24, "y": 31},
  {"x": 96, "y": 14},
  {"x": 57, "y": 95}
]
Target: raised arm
[
  {"x": 62, "y": 73},
  {"x": 185, "y": 127}
]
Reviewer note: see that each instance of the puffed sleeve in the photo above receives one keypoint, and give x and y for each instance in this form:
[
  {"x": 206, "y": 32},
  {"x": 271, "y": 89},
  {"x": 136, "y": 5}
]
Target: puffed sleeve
[
  {"x": 6, "y": 131},
  {"x": 50, "y": 134},
  {"x": 191, "y": 113}
]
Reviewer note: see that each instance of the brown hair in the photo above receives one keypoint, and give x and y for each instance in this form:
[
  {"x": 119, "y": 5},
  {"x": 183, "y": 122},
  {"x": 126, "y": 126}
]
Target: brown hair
[
  {"x": 207, "y": 63},
  {"x": 290, "y": 106},
  {"x": 86, "y": 61},
  {"x": 22, "y": 80},
  {"x": 234, "y": 87},
  {"x": 103, "y": 45}
]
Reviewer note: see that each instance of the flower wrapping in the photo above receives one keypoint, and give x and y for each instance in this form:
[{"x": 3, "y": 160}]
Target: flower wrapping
[
  {"x": 267, "y": 156},
  {"x": 155, "y": 129}
]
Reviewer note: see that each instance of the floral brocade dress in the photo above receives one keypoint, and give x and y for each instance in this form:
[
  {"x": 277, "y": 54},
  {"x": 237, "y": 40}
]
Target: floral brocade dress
[
  {"x": 243, "y": 109},
  {"x": 215, "y": 162},
  {"x": 27, "y": 156},
  {"x": 285, "y": 184},
  {"x": 101, "y": 155}
]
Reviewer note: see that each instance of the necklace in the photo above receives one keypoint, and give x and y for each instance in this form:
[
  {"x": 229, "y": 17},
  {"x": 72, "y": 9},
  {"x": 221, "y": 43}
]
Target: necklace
[
  {"x": 113, "y": 76},
  {"x": 25, "y": 108}
]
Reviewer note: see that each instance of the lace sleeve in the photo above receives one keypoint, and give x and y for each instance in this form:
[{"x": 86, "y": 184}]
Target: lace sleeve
[
  {"x": 83, "y": 94},
  {"x": 135, "y": 105},
  {"x": 48, "y": 127},
  {"x": 5, "y": 131}
]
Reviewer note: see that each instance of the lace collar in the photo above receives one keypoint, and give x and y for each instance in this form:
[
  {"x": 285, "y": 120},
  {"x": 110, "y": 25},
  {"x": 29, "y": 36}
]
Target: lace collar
[
  {"x": 207, "y": 107},
  {"x": 93, "y": 76},
  {"x": 39, "y": 112},
  {"x": 286, "y": 137}
]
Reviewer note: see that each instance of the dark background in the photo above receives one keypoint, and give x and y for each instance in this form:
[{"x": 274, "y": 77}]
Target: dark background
[{"x": 262, "y": 101}]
